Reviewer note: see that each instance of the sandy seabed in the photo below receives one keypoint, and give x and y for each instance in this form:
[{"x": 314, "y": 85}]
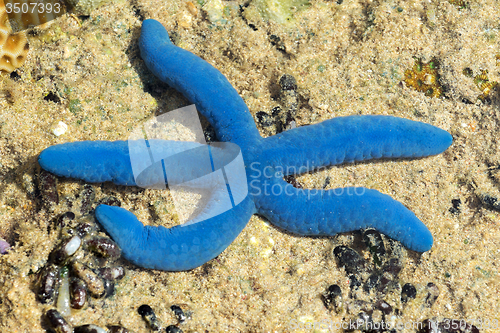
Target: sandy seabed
[{"x": 347, "y": 58}]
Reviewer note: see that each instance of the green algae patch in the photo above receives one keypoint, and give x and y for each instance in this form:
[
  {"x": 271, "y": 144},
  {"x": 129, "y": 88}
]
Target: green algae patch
[{"x": 279, "y": 11}]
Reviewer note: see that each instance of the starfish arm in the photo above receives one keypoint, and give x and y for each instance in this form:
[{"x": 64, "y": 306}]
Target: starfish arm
[
  {"x": 352, "y": 138},
  {"x": 326, "y": 213},
  {"x": 178, "y": 248},
  {"x": 92, "y": 161},
  {"x": 200, "y": 83},
  {"x": 180, "y": 162}
]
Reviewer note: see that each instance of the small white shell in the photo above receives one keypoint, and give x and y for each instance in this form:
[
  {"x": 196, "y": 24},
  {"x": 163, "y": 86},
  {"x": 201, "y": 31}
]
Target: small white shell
[{"x": 59, "y": 129}]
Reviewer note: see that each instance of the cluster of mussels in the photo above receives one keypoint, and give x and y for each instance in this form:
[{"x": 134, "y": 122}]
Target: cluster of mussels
[
  {"x": 282, "y": 117},
  {"x": 82, "y": 265},
  {"x": 376, "y": 299},
  {"x": 423, "y": 77}
]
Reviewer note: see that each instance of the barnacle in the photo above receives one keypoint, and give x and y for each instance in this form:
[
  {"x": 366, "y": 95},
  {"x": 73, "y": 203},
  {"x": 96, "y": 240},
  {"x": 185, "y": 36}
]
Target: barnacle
[
  {"x": 13, "y": 47},
  {"x": 423, "y": 77},
  {"x": 467, "y": 72},
  {"x": 460, "y": 3},
  {"x": 484, "y": 84}
]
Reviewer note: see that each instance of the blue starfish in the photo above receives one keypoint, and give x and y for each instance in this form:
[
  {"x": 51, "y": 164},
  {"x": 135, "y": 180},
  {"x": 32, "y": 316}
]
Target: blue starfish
[{"x": 267, "y": 161}]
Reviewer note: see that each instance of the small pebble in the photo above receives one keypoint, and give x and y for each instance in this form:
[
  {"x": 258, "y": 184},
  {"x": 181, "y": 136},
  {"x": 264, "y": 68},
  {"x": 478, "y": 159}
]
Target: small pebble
[
  {"x": 109, "y": 288},
  {"x": 384, "y": 307},
  {"x": 408, "y": 293},
  {"x": 432, "y": 294},
  {"x": 173, "y": 329},
  {"x": 90, "y": 328},
  {"x": 57, "y": 322},
  {"x": 192, "y": 8},
  {"x": 111, "y": 273},
  {"x": 350, "y": 259},
  {"x": 333, "y": 296},
  {"x": 49, "y": 282},
  {"x": 181, "y": 317},
  {"x": 59, "y": 129},
  {"x": 288, "y": 82},
  {"x": 149, "y": 316},
  {"x": 66, "y": 250},
  {"x": 456, "y": 206},
  {"x": 94, "y": 283},
  {"x": 4, "y": 246},
  {"x": 276, "y": 41},
  {"x": 78, "y": 293},
  {"x": 105, "y": 247}
]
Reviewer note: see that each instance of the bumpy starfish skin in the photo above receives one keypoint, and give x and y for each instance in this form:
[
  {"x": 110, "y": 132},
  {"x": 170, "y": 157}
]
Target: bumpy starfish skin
[{"x": 303, "y": 212}]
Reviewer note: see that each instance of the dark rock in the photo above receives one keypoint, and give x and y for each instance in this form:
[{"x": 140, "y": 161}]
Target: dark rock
[
  {"x": 149, "y": 316},
  {"x": 384, "y": 307},
  {"x": 456, "y": 206},
  {"x": 105, "y": 247},
  {"x": 408, "y": 293},
  {"x": 49, "y": 282},
  {"x": 350, "y": 259},
  {"x": 57, "y": 322},
  {"x": 173, "y": 329},
  {"x": 263, "y": 119},
  {"x": 332, "y": 296},
  {"x": 78, "y": 293},
  {"x": 181, "y": 317}
]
